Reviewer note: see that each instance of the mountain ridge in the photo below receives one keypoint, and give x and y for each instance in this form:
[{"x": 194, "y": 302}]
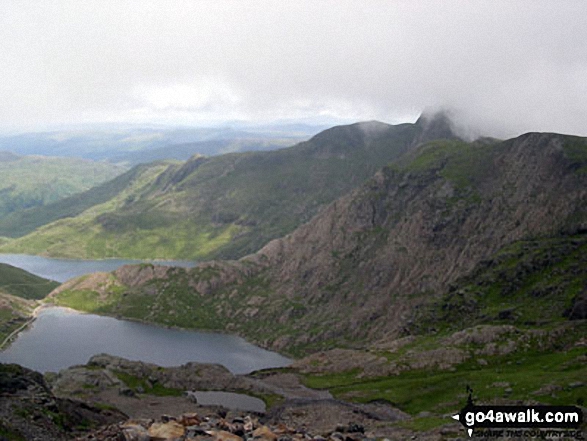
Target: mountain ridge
[{"x": 224, "y": 206}]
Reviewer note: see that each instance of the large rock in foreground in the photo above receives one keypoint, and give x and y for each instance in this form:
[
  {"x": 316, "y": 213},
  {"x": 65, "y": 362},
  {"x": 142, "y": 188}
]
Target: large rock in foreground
[{"x": 29, "y": 410}]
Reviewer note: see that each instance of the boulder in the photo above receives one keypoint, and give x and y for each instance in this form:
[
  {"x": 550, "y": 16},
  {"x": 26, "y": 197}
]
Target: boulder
[{"x": 169, "y": 431}]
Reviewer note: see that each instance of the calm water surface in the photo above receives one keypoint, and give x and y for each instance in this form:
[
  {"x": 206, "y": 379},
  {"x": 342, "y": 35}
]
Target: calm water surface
[
  {"x": 60, "y": 338},
  {"x": 62, "y": 270}
]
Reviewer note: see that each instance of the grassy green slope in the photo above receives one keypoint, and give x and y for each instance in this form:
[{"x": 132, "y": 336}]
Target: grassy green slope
[
  {"x": 18, "y": 291},
  {"x": 20, "y": 283},
  {"x": 224, "y": 206},
  {"x": 267, "y": 195},
  {"x": 75, "y": 232},
  {"x": 30, "y": 181},
  {"x": 25, "y": 221}
]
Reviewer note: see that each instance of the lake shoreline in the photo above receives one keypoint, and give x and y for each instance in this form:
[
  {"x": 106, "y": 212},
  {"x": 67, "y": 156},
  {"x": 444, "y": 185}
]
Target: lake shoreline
[
  {"x": 175, "y": 328},
  {"x": 14, "y": 334},
  {"x": 178, "y": 328},
  {"x": 64, "y": 269},
  {"x": 59, "y": 343}
]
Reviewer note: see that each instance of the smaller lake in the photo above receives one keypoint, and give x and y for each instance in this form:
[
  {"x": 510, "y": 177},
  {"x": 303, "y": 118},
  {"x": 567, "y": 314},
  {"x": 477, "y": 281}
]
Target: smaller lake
[
  {"x": 61, "y": 270},
  {"x": 60, "y": 338}
]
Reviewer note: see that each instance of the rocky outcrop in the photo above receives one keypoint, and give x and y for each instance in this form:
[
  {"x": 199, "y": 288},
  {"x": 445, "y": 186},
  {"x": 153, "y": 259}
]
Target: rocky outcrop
[
  {"x": 141, "y": 389},
  {"x": 104, "y": 372},
  {"x": 29, "y": 410},
  {"x": 370, "y": 257},
  {"x": 578, "y": 310}
]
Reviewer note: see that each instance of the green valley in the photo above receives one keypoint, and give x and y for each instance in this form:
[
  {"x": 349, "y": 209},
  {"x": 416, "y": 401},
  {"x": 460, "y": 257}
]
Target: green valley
[{"x": 33, "y": 181}]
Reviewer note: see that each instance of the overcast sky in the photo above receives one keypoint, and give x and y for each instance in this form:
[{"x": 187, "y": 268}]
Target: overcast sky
[{"x": 504, "y": 67}]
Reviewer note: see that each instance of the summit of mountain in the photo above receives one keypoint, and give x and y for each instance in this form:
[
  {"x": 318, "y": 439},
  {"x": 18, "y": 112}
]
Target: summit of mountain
[{"x": 435, "y": 125}]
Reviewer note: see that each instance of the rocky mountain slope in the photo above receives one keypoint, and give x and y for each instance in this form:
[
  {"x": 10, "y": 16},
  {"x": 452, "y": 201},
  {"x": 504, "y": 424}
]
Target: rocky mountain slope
[
  {"x": 224, "y": 206},
  {"x": 357, "y": 271}
]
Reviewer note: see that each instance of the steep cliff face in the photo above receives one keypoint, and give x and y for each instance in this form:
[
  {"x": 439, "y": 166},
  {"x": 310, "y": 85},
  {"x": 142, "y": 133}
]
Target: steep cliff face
[
  {"x": 413, "y": 230},
  {"x": 355, "y": 272}
]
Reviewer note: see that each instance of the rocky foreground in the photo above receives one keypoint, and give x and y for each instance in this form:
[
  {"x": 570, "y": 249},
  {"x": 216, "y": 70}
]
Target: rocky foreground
[
  {"x": 30, "y": 411},
  {"x": 145, "y": 391},
  {"x": 217, "y": 427},
  {"x": 111, "y": 398}
]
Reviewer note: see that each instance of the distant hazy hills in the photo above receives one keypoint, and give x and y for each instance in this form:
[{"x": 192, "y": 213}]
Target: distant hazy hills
[
  {"x": 32, "y": 181},
  {"x": 129, "y": 145},
  {"x": 221, "y": 206}
]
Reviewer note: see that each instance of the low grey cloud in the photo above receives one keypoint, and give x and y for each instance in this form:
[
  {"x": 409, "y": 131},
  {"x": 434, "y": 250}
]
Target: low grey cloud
[{"x": 502, "y": 67}]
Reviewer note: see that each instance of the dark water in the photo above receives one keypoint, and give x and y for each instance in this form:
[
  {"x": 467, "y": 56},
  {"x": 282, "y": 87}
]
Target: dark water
[
  {"x": 62, "y": 270},
  {"x": 60, "y": 338}
]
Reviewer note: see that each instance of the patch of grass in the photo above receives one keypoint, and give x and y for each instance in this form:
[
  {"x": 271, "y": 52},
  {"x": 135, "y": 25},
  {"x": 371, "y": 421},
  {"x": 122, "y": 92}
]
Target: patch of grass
[
  {"x": 8, "y": 434},
  {"x": 20, "y": 283},
  {"x": 461, "y": 163},
  {"x": 441, "y": 392},
  {"x": 82, "y": 300},
  {"x": 105, "y": 406},
  {"x": 157, "y": 389},
  {"x": 422, "y": 424},
  {"x": 528, "y": 283},
  {"x": 31, "y": 181}
]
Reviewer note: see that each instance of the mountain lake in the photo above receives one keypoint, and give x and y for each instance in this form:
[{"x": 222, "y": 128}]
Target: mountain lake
[{"x": 60, "y": 337}]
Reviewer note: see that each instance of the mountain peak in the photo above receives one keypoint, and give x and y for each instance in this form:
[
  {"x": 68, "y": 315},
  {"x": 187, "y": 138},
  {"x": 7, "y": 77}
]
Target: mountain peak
[{"x": 435, "y": 125}]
